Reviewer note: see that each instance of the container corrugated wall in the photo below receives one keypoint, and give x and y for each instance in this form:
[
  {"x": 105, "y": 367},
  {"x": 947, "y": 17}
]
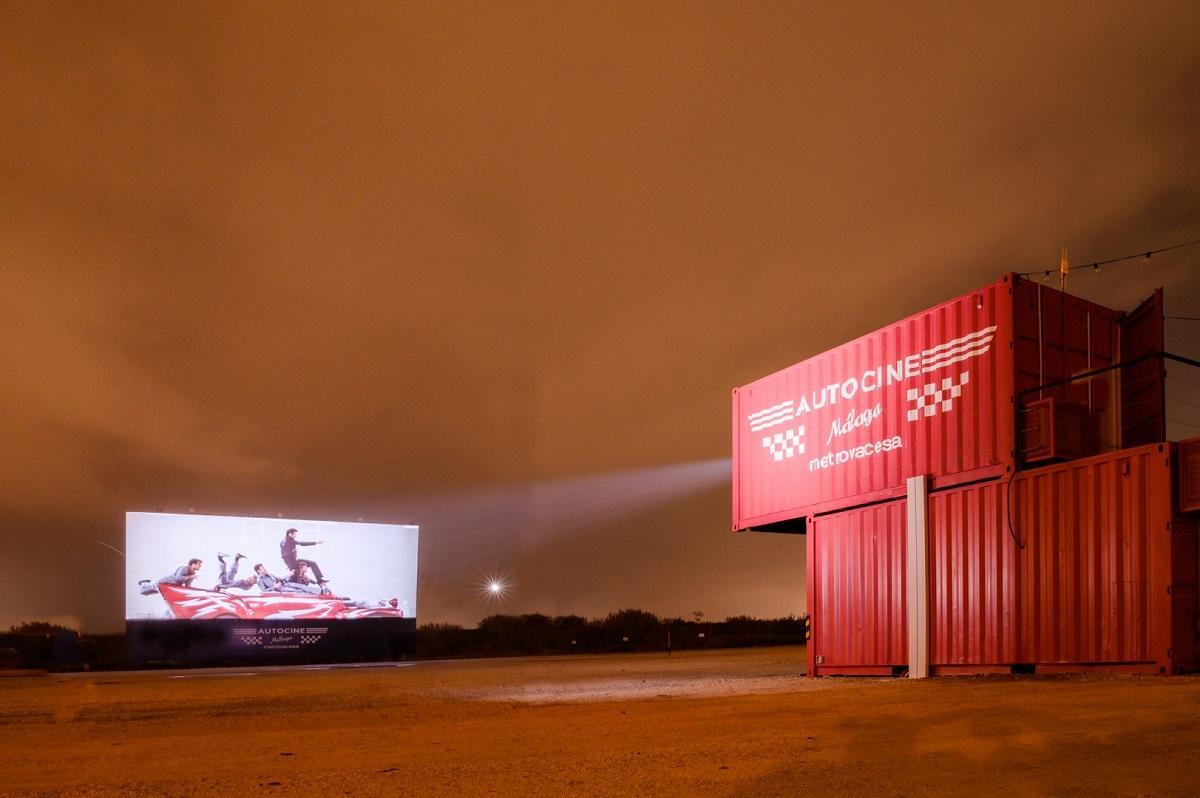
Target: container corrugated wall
[
  {"x": 1057, "y": 335},
  {"x": 1080, "y": 575},
  {"x": 1096, "y": 567},
  {"x": 972, "y": 570},
  {"x": 1093, "y": 570},
  {"x": 1185, "y": 593},
  {"x": 931, "y": 394},
  {"x": 856, "y": 590},
  {"x": 935, "y": 394}
]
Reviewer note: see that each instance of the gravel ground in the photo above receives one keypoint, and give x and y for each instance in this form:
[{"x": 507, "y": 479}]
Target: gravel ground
[{"x": 739, "y": 722}]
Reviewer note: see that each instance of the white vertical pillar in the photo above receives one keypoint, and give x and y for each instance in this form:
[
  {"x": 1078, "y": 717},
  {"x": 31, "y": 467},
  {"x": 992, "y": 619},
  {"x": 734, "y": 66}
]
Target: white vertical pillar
[{"x": 917, "y": 580}]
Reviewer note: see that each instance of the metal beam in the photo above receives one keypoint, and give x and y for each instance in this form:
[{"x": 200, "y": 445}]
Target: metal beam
[{"x": 917, "y": 579}]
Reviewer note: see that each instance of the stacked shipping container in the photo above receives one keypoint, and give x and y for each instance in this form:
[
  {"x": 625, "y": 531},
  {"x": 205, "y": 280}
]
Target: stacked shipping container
[
  {"x": 1066, "y": 566},
  {"x": 1071, "y": 565}
]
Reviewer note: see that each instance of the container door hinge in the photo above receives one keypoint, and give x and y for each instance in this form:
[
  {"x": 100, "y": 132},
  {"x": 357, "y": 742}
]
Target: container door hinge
[{"x": 1168, "y": 590}]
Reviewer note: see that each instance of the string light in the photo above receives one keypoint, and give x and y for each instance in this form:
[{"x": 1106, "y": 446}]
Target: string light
[{"x": 1095, "y": 266}]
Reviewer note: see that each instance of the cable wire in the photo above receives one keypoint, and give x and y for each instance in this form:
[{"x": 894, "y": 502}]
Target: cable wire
[
  {"x": 1095, "y": 265},
  {"x": 1008, "y": 516}
]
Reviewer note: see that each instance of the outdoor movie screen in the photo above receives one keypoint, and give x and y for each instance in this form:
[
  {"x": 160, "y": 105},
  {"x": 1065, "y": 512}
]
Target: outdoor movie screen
[{"x": 208, "y": 567}]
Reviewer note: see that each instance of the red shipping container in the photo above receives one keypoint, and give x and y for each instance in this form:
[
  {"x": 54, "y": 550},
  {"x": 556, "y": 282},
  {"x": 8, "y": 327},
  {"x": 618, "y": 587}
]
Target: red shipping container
[
  {"x": 934, "y": 394},
  {"x": 1093, "y": 570},
  {"x": 856, "y": 591}
]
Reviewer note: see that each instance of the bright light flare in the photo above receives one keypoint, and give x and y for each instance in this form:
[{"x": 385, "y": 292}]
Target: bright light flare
[{"x": 494, "y": 587}]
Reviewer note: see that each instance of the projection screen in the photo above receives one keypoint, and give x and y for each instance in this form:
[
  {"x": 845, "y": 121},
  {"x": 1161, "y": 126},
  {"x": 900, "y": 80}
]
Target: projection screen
[{"x": 206, "y": 567}]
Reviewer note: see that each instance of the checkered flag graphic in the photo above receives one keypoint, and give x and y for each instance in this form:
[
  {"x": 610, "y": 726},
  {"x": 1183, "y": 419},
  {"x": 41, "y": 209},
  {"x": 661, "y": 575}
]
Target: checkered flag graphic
[
  {"x": 250, "y": 640},
  {"x": 309, "y": 639},
  {"x": 936, "y": 396},
  {"x": 786, "y": 444}
]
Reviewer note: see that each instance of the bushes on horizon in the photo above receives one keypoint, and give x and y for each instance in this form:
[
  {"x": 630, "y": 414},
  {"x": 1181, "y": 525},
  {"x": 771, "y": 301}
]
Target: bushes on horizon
[
  {"x": 623, "y": 630},
  {"x": 42, "y": 644},
  {"x": 38, "y": 628}
]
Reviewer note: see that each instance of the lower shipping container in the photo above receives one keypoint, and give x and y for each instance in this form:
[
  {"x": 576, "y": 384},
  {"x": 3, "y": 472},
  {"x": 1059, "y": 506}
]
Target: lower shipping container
[{"x": 1063, "y": 568}]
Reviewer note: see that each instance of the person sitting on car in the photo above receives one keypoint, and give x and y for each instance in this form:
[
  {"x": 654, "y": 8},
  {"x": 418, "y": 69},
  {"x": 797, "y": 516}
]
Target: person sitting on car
[
  {"x": 287, "y": 551},
  {"x": 300, "y": 581}
]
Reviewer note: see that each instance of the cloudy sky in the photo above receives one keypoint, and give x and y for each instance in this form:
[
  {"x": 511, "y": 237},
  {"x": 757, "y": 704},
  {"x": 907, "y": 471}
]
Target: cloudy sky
[{"x": 494, "y": 268}]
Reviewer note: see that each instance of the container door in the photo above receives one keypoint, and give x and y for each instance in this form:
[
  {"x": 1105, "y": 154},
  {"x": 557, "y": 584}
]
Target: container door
[
  {"x": 974, "y": 565},
  {"x": 857, "y": 582},
  {"x": 1143, "y": 414},
  {"x": 1184, "y": 596}
]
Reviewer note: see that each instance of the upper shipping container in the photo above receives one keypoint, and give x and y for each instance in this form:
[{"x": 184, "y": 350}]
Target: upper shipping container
[{"x": 935, "y": 394}]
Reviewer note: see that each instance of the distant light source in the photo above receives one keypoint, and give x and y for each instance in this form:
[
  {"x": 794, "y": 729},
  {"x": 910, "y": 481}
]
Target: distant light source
[{"x": 494, "y": 587}]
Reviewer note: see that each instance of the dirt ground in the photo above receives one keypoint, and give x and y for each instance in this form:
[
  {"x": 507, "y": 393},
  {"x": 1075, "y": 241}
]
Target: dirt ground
[{"x": 741, "y": 722}]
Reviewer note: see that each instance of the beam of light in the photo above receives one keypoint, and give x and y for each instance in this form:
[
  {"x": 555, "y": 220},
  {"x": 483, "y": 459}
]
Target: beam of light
[{"x": 472, "y": 526}]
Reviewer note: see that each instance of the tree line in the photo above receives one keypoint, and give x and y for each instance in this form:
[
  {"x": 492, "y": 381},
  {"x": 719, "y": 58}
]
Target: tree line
[
  {"x": 47, "y": 646},
  {"x": 625, "y": 630}
]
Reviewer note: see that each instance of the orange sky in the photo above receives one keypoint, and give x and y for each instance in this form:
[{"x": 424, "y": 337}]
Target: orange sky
[{"x": 311, "y": 258}]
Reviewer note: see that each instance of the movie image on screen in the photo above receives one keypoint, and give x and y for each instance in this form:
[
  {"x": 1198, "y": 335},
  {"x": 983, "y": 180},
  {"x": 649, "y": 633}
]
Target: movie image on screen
[{"x": 206, "y": 567}]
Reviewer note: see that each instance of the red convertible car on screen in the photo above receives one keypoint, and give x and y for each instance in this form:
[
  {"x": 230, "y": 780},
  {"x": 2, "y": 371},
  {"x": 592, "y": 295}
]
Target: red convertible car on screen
[{"x": 195, "y": 604}]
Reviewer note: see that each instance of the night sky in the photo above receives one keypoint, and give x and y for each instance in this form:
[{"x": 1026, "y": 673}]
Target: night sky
[{"x": 494, "y": 268}]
